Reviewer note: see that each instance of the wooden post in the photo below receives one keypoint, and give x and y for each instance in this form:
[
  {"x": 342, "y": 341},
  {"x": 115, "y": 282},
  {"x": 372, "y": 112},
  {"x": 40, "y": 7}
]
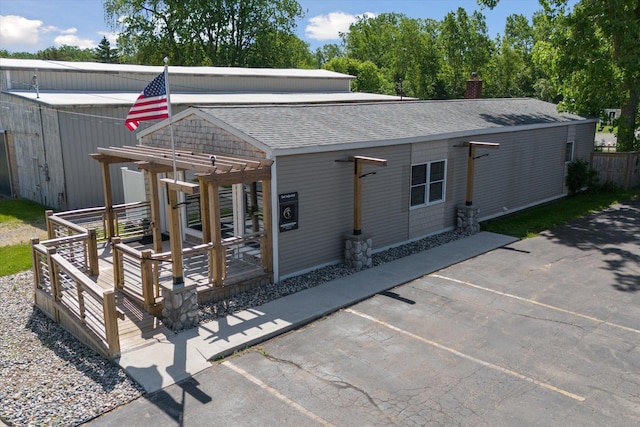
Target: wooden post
[
  {"x": 218, "y": 254},
  {"x": 255, "y": 211},
  {"x": 146, "y": 273},
  {"x": 50, "y": 230},
  {"x": 357, "y": 198},
  {"x": 205, "y": 215},
  {"x": 470, "y": 173},
  {"x": 118, "y": 271},
  {"x": 156, "y": 231},
  {"x": 92, "y": 249},
  {"x": 108, "y": 200},
  {"x": 358, "y": 161},
  {"x": 175, "y": 237},
  {"x": 35, "y": 261},
  {"x": 56, "y": 292},
  {"x": 111, "y": 323},
  {"x": 267, "y": 240}
]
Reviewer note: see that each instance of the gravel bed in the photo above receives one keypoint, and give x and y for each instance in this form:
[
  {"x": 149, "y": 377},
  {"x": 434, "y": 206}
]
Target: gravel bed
[{"x": 47, "y": 377}]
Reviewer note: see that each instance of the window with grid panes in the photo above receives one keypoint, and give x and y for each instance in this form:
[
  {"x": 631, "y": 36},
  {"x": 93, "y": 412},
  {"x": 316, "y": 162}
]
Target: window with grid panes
[{"x": 428, "y": 183}]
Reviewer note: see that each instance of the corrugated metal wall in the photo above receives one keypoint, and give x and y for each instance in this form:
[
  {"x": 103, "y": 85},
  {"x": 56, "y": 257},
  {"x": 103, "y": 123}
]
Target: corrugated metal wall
[
  {"x": 135, "y": 82},
  {"x": 32, "y": 132}
]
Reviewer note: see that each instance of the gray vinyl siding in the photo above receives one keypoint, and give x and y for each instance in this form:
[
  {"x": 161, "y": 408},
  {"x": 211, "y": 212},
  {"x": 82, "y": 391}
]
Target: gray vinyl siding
[
  {"x": 135, "y": 82},
  {"x": 528, "y": 168},
  {"x": 584, "y": 140},
  {"x": 325, "y": 193}
]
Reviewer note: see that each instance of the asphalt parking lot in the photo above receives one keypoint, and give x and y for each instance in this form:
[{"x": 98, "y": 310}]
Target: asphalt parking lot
[{"x": 544, "y": 331}]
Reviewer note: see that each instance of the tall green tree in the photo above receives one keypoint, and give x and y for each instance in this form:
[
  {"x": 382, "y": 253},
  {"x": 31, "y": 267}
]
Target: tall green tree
[
  {"x": 369, "y": 78},
  {"x": 592, "y": 54},
  {"x": 403, "y": 48},
  {"x": 205, "y": 32},
  {"x": 466, "y": 48},
  {"x": 510, "y": 72},
  {"x": 104, "y": 52}
]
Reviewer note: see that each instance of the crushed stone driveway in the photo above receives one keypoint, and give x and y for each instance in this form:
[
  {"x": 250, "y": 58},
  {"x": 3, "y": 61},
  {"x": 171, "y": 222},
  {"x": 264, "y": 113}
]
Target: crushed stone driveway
[{"x": 544, "y": 331}]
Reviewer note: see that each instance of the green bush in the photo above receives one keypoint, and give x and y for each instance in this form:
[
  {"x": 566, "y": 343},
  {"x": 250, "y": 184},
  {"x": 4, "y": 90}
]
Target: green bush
[{"x": 580, "y": 176}]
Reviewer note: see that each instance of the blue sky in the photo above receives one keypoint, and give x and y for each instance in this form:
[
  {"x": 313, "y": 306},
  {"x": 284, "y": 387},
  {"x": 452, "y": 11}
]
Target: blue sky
[{"x": 32, "y": 25}]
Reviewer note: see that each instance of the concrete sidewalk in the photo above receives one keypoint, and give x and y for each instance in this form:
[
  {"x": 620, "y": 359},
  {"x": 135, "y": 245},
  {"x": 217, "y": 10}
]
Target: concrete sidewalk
[{"x": 179, "y": 356}]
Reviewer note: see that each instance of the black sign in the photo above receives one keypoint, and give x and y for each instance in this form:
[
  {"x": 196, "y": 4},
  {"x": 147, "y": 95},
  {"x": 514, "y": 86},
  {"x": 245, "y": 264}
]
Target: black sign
[{"x": 288, "y": 211}]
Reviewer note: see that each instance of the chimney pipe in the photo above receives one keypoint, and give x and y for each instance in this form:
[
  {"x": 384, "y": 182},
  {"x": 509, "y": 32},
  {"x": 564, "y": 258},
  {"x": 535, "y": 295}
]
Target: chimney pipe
[{"x": 474, "y": 87}]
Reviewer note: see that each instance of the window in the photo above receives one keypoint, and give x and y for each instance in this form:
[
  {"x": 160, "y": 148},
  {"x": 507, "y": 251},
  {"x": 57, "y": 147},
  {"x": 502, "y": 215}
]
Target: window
[
  {"x": 568, "y": 152},
  {"x": 427, "y": 183}
]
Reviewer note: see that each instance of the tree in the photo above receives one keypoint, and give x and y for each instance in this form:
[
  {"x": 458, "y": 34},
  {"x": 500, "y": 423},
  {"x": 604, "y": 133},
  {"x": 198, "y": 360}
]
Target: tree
[
  {"x": 326, "y": 53},
  {"x": 510, "y": 72},
  {"x": 205, "y": 32},
  {"x": 66, "y": 53},
  {"x": 466, "y": 47},
  {"x": 368, "y": 76},
  {"x": 593, "y": 58},
  {"x": 104, "y": 52},
  {"x": 404, "y": 49}
]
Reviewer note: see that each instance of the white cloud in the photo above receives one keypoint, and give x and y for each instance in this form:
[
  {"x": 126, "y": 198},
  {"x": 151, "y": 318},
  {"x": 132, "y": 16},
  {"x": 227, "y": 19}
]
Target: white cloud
[
  {"x": 73, "y": 40},
  {"x": 329, "y": 27},
  {"x": 17, "y": 30}
]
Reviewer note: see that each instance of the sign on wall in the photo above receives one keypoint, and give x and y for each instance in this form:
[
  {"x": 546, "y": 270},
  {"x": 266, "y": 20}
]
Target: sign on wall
[{"x": 288, "y": 211}]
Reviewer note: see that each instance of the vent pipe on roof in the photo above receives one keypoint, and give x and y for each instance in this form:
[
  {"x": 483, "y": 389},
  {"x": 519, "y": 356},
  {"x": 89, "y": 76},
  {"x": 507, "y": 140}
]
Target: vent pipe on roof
[{"x": 474, "y": 87}]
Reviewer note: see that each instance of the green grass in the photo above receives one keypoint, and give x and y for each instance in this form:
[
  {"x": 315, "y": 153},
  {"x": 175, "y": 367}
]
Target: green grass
[
  {"x": 15, "y": 258},
  {"x": 532, "y": 221},
  {"x": 13, "y": 210}
]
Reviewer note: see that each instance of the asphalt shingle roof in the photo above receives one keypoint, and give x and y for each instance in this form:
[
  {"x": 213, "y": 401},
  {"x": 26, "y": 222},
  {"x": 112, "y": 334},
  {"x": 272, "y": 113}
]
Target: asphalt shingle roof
[{"x": 293, "y": 127}]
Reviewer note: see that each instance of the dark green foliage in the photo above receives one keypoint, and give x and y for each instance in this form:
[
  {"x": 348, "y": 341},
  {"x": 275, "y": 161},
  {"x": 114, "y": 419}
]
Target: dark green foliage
[{"x": 580, "y": 176}]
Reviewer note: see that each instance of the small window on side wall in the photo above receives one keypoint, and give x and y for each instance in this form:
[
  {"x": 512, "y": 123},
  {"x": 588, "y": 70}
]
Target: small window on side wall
[
  {"x": 568, "y": 152},
  {"x": 428, "y": 183}
]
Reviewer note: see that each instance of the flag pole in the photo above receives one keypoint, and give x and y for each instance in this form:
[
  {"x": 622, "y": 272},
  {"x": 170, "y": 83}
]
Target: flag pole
[{"x": 173, "y": 145}]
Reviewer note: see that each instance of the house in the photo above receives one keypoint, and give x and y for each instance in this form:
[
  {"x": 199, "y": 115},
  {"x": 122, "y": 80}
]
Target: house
[
  {"x": 54, "y": 114},
  {"x": 253, "y": 194},
  {"x": 421, "y": 164}
]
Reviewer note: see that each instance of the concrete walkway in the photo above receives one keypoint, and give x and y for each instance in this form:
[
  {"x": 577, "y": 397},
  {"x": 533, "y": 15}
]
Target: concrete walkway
[{"x": 177, "y": 357}]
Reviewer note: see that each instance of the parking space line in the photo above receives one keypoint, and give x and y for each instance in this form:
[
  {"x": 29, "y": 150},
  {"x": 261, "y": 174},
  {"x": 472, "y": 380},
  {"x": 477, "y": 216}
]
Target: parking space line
[
  {"x": 276, "y": 393},
  {"x": 551, "y": 307},
  {"x": 468, "y": 357}
]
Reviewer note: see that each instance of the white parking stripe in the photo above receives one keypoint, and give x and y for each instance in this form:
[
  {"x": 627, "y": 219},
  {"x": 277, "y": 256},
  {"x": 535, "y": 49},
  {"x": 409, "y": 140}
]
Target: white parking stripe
[
  {"x": 551, "y": 307},
  {"x": 276, "y": 393},
  {"x": 468, "y": 357}
]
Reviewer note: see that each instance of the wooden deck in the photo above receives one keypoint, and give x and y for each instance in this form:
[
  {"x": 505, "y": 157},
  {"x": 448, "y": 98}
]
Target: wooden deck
[{"x": 139, "y": 327}]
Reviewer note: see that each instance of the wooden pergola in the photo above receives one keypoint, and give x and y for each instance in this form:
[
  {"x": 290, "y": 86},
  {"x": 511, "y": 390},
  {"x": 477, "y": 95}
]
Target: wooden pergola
[{"x": 212, "y": 171}]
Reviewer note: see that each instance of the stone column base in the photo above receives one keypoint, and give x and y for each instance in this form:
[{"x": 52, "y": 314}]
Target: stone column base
[
  {"x": 179, "y": 306},
  {"x": 467, "y": 219},
  {"x": 357, "y": 251}
]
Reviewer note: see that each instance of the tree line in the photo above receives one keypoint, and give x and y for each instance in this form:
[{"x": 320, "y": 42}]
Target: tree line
[{"x": 585, "y": 58}]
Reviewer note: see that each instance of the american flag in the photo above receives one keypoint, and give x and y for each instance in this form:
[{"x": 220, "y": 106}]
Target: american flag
[{"x": 151, "y": 104}]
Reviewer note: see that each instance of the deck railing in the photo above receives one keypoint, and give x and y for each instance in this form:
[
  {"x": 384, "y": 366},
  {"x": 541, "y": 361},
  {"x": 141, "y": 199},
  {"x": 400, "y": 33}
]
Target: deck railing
[{"x": 69, "y": 297}]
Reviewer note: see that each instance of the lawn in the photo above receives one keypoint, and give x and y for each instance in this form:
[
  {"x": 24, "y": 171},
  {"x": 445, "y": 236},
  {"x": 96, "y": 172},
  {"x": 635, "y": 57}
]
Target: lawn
[
  {"x": 13, "y": 215},
  {"x": 530, "y": 222}
]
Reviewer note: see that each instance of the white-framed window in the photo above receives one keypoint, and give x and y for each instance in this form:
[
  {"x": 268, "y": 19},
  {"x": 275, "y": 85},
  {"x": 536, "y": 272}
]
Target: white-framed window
[
  {"x": 568, "y": 152},
  {"x": 428, "y": 183}
]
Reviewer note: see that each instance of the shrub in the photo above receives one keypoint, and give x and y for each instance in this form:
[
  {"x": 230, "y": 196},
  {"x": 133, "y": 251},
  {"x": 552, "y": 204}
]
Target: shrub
[{"x": 580, "y": 176}]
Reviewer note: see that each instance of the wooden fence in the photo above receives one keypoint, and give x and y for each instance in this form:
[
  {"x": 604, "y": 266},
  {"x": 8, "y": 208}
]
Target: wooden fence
[
  {"x": 65, "y": 294},
  {"x": 618, "y": 169}
]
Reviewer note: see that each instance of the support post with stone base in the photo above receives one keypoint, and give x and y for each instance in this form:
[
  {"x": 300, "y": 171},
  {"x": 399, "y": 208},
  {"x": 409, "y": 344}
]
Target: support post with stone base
[
  {"x": 467, "y": 219},
  {"x": 180, "y": 306},
  {"x": 357, "y": 251}
]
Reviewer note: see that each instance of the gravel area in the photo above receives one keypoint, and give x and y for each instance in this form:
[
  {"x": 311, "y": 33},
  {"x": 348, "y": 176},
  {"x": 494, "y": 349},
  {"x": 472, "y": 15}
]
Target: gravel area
[{"x": 47, "y": 377}]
